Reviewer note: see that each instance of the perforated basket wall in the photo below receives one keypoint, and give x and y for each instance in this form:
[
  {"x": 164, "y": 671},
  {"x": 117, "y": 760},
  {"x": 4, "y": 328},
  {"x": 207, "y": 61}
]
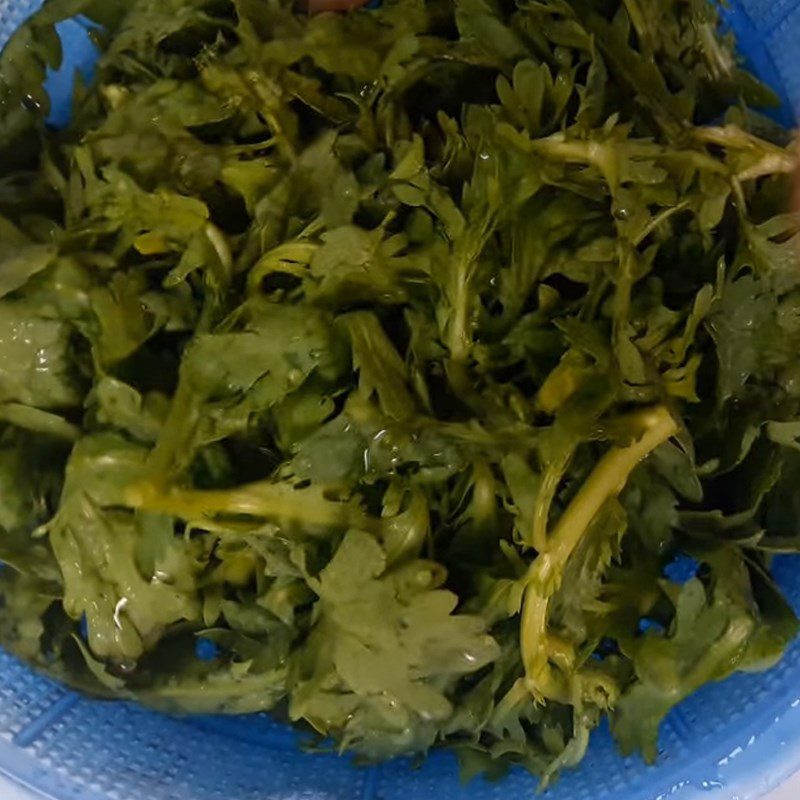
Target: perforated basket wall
[{"x": 732, "y": 741}]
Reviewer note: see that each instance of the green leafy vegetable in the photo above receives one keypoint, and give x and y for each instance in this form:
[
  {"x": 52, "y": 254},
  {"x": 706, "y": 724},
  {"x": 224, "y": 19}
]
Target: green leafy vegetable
[{"x": 397, "y": 353}]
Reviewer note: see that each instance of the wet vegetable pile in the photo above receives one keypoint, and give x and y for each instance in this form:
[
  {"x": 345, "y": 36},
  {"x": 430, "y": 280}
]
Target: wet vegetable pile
[{"x": 427, "y": 374}]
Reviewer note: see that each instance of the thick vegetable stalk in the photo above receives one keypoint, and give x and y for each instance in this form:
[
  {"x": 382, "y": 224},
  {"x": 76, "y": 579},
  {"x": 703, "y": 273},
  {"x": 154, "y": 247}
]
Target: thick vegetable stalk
[
  {"x": 607, "y": 480},
  {"x": 263, "y": 500}
]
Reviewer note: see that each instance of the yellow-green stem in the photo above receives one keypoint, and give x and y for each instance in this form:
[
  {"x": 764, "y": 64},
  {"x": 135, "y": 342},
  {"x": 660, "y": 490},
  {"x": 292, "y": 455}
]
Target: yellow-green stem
[
  {"x": 266, "y": 500},
  {"x": 606, "y": 481}
]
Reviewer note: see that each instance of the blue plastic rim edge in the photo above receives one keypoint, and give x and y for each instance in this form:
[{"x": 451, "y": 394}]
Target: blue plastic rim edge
[{"x": 759, "y": 60}]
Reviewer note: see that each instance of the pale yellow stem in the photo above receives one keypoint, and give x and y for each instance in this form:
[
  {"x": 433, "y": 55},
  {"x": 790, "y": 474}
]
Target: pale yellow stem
[
  {"x": 606, "y": 481},
  {"x": 267, "y": 500}
]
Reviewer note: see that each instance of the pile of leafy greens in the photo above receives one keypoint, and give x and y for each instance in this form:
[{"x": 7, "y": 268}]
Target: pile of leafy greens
[{"x": 395, "y": 356}]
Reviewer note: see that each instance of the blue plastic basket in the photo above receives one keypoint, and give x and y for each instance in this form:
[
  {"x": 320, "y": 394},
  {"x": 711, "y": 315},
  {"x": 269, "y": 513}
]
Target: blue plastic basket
[{"x": 732, "y": 741}]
